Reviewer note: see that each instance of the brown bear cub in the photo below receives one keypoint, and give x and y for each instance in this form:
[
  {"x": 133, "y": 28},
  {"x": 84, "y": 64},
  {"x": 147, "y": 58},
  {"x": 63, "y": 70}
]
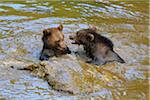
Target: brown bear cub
[
  {"x": 97, "y": 47},
  {"x": 54, "y": 45}
]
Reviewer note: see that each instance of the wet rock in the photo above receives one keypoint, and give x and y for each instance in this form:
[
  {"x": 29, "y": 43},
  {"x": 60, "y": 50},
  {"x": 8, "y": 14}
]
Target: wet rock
[
  {"x": 69, "y": 75},
  {"x": 57, "y": 76}
]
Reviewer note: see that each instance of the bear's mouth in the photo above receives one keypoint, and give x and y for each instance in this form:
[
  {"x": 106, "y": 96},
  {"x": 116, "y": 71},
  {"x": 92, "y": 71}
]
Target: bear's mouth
[{"x": 74, "y": 40}]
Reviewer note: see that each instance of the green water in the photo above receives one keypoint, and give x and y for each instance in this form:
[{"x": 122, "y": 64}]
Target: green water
[{"x": 125, "y": 22}]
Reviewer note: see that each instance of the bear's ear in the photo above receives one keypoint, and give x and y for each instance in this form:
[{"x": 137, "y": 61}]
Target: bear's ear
[
  {"x": 93, "y": 28},
  {"x": 46, "y": 32},
  {"x": 90, "y": 37},
  {"x": 60, "y": 27}
]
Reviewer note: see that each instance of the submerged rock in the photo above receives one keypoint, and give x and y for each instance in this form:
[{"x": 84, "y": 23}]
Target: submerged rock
[
  {"x": 69, "y": 75},
  {"x": 57, "y": 76}
]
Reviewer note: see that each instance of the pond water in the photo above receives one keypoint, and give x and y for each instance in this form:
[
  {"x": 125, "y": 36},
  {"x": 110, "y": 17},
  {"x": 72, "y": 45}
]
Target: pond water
[{"x": 125, "y": 22}]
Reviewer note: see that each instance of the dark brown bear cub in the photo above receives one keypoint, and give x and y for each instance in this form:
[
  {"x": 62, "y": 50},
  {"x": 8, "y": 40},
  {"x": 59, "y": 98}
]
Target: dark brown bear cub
[
  {"x": 53, "y": 43},
  {"x": 97, "y": 47}
]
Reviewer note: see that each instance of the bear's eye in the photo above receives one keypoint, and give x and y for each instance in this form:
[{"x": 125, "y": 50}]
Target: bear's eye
[{"x": 57, "y": 42}]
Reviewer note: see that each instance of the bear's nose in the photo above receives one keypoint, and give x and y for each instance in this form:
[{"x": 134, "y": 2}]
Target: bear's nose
[{"x": 62, "y": 45}]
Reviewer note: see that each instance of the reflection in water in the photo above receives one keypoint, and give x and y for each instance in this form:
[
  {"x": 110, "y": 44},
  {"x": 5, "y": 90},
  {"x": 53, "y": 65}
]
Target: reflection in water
[{"x": 125, "y": 22}]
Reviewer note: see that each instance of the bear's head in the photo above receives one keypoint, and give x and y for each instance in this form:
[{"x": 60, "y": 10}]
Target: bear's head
[
  {"x": 53, "y": 38},
  {"x": 83, "y": 37}
]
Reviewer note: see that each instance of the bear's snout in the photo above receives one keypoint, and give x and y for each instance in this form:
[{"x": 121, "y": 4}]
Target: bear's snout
[
  {"x": 72, "y": 37},
  {"x": 62, "y": 45}
]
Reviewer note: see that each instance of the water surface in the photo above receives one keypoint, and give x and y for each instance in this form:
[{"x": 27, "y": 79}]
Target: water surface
[{"x": 124, "y": 22}]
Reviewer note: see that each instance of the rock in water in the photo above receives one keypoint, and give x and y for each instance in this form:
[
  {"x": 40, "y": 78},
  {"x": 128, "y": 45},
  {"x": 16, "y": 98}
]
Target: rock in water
[{"x": 71, "y": 76}]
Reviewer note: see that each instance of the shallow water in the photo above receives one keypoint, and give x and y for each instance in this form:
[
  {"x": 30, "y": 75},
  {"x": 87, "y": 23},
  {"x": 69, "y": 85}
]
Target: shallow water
[{"x": 124, "y": 22}]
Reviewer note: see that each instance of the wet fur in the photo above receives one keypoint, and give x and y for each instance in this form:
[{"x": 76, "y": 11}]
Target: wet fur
[
  {"x": 53, "y": 43},
  {"x": 98, "y": 48},
  {"x": 90, "y": 46}
]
